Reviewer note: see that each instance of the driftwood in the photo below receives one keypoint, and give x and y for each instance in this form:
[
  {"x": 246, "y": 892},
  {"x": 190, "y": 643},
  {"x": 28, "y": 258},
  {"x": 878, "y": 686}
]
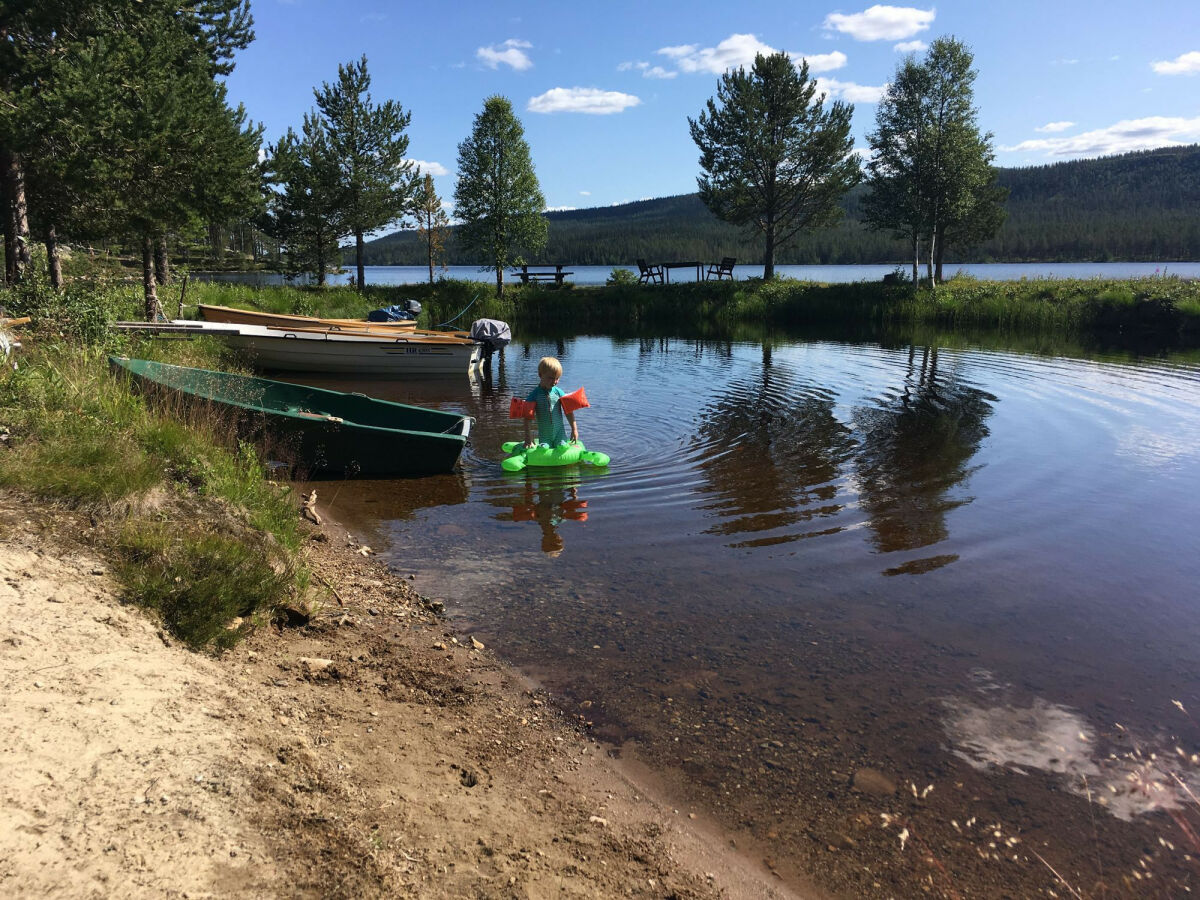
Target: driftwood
[{"x": 308, "y": 507}]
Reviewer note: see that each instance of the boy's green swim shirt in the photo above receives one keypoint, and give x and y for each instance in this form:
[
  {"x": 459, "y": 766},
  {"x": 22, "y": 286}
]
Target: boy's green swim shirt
[{"x": 551, "y": 429}]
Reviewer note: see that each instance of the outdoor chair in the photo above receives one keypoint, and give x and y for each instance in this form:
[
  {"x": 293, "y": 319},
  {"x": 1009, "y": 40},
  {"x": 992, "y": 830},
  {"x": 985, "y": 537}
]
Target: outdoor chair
[
  {"x": 649, "y": 274},
  {"x": 723, "y": 269}
]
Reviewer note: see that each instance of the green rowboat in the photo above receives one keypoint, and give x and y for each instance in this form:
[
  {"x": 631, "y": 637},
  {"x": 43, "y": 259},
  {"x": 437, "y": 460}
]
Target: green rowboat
[{"x": 319, "y": 432}]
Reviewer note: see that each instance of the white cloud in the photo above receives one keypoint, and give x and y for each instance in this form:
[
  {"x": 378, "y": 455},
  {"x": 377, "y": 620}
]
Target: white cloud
[
  {"x": 511, "y": 53},
  {"x": 826, "y": 62},
  {"x": 585, "y": 193},
  {"x": 429, "y": 168},
  {"x": 848, "y": 90},
  {"x": 1184, "y": 64},
  {"x": 582, "y": 100},
  {"x": 560, "y": 208},
  {"x": 882, "y": 23},
  {"x": 647, "y": 70},
  {"x": 1123, "y": 137},
  {"x": 736, "y": 50},
  {"x": 916, "y": 46},
  {"x": 1051, "y": 127}
]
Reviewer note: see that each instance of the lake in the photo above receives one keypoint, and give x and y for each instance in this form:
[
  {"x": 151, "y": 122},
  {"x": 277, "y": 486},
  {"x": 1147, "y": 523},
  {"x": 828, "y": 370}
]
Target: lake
[
  {"x": 895, "y": 616},
  {"x": 593, "y": 275}
]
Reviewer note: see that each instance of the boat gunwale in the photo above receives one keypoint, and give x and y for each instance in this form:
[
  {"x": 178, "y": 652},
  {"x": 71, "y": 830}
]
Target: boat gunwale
[{"x": 313, "y": 418}]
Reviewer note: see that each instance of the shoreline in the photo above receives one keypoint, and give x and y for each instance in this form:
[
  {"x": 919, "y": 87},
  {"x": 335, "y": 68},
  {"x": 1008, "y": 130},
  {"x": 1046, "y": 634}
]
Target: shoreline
[{"x": 370, "y": 751}]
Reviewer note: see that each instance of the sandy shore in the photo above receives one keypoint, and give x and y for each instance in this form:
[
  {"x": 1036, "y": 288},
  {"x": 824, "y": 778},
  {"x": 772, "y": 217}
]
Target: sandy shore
[{"x": 368, "y": 752}]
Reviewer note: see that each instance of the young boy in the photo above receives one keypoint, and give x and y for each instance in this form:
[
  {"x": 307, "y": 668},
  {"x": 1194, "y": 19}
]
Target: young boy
[{"x": 549, "y": 413}]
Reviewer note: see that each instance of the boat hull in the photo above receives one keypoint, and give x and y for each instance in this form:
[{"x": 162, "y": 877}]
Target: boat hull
[
  {"x": 294, "y": 352},
  {"x": 318, "y": 433},
  {"x": 283, "y": 349}
]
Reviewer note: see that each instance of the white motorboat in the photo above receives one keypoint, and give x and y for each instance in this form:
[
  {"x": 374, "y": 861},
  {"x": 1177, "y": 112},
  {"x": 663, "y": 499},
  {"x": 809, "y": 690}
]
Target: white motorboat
[{"x": 284, "y": 349}]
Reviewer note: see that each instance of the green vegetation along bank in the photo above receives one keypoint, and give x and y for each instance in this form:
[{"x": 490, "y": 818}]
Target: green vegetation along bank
[
  {"x": 189, "y": 521},
  {"x": 1160, "y": 308}
]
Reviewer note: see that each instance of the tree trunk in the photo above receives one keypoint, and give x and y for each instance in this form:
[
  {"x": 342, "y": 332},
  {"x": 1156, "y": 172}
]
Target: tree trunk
[
  {"x": 162, "y": 265},
  {"x": 215, "y": 244},
  {"x": 499, "y": 282},
  {"x": 53, "y": 260},
  {"x": 16, "y": 247},
  {"x": 941, "y": 251},
  {"x": 929, "y": 260},
  {"x": 916, "y": 258},
  {"x": 149, "y": 289},
  {"x": 10, "y": 235},
  {"x": 769, "y": 253},
  {"x": 320, "y": 264},
  {"x": 358, "y": 251},
  {"x": 429, "y": 248}
]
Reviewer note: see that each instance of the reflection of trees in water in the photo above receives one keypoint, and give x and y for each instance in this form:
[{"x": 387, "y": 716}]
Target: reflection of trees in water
[
  {"x": 770, "y": 453},
  {"x": 914, "y": 448}
]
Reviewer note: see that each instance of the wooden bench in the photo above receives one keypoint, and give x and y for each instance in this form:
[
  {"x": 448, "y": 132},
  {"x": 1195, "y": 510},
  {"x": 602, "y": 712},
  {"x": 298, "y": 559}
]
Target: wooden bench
[{"x": 541, "y": 273}]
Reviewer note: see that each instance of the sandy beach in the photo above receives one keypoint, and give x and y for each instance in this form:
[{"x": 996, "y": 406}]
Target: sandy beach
[{"x": 367, "y": 751}]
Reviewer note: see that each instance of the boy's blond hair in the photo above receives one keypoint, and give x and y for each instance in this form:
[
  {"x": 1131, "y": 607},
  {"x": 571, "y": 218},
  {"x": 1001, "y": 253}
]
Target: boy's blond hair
[{"x": 548, "y": 365}]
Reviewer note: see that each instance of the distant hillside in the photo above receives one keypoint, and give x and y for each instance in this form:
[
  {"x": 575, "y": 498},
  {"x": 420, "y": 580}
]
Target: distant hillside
[{"x": 1138, "y": 206}]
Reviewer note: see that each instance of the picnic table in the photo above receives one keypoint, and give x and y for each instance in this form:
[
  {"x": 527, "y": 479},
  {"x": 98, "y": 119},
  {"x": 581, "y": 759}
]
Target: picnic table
[
  {"x": 541, "y": 273},
  {"x": 693, "y": 264}
]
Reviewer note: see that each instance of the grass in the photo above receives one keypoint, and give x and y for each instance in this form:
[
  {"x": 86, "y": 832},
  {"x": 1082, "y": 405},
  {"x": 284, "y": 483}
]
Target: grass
[{"x": 195, "y": 529}]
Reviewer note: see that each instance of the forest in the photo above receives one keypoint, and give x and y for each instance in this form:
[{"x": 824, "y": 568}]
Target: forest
[{"x": 1137, "y": 206}]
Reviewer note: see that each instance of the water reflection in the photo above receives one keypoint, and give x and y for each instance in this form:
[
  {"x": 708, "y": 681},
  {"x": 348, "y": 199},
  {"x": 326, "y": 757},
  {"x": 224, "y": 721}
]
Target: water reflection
[
  {"x": 771, "y": 451},
  {"x": 914, "y": 449},
  {"x": 549, "y": 502}
]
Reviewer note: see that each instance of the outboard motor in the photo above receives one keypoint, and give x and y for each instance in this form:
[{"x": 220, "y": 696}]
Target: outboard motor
[
  {"x": 412, "y": 308},
  {"x": 492, "y": 333}
]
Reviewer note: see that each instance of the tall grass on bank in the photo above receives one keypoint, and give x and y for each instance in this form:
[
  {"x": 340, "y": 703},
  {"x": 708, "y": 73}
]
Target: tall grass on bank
[
  {"x": 1167, "y": 308},
  {"x": 192, "y": 524}
]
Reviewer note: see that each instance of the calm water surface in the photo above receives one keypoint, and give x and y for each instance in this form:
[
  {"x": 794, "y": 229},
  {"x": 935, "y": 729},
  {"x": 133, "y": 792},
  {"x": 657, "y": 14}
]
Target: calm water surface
[
  {"x": 592, "y": 275},
  {"x": 811, "y": 562}
]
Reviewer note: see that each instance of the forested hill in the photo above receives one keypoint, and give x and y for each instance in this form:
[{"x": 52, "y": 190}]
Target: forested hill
[{"x": 1138, "y": 206}]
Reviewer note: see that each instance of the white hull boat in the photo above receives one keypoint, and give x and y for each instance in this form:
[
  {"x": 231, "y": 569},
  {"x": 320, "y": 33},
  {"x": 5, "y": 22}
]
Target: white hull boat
[{"x": 301, "y": 350}]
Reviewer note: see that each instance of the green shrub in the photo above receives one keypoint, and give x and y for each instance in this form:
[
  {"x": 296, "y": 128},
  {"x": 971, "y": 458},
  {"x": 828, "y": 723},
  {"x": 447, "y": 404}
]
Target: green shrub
[
  {"x": 199, "y": 582},
  {"x": 80, "y": 312}
]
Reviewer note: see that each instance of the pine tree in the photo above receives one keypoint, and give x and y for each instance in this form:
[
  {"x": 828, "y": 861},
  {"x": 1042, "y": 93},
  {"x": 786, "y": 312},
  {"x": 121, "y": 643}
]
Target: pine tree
[
  {"x": 118, "y": 108},
  {"x": 498, "y": 198},
  {"x": 306, "y": 215},
  {"x": 773, "y": 157},
  {"x": 433, "y": 225},
  {"x": 369, "y": 143}
]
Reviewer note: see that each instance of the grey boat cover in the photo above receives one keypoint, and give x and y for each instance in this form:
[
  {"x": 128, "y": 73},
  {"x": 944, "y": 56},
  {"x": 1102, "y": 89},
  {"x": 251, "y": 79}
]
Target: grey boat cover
[{"x": 492, "y": 332}]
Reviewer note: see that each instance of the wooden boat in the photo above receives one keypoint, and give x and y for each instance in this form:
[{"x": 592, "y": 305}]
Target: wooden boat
[
  {"x": 235, "y": 316},
  {"x": 324, "y": 432},
  {"x": 292, "y": 349}
]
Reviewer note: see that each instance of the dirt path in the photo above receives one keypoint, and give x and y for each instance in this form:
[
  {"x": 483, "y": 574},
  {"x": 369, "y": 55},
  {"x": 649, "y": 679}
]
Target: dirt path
[{"x": 371, "y": 752}]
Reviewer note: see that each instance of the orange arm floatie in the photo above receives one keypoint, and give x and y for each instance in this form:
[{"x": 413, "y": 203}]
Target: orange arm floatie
[
  {"x": 522, "y": 409},
  {"x": 573, "y": 401}
]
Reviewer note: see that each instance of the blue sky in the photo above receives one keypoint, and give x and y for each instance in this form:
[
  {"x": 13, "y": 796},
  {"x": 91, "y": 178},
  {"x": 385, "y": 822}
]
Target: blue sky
[{"x": 604, "y": 90}]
